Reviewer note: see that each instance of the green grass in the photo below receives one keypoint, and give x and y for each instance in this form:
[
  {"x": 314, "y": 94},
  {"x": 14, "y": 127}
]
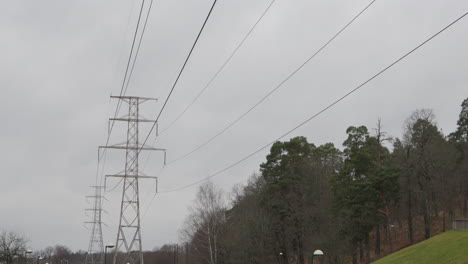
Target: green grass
[{"x": 447, "y": 248}]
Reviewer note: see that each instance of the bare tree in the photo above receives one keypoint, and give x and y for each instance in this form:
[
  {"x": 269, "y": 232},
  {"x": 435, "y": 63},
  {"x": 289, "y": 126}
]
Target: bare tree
[
  {"x": 48, "y": 253},
  {"x": 203, "y": 226},
  {"x": 61, "y": 254},
  {"x": 11, "y": 245},
  {"x": 422, "y": 137}
]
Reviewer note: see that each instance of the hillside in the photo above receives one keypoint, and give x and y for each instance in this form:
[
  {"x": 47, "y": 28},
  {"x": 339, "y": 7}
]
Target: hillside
[{"x": 450, "y": 247}]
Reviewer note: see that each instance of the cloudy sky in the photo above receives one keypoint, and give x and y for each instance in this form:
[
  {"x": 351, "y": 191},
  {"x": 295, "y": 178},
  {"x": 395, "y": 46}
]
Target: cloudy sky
[{"x": 60, "y": 61}]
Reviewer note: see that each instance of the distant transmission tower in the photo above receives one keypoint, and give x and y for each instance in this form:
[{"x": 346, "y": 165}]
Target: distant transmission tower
[
  {"x": 96, "y": 246},
  {"x": 128, "y": 247}
]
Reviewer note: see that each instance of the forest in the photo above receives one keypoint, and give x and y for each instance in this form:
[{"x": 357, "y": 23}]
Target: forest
[
  {"x": 357, "y": 204},
  {"x": 376, "y": 195}
]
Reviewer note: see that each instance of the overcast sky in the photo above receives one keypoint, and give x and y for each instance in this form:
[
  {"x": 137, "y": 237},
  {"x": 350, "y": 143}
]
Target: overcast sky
[{"x": 60, "y": 61}]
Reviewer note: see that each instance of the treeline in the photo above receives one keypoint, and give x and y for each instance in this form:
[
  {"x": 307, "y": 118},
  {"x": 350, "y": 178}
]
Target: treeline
[
  {"x": 14, "y": 250},
  {"x": 376, "y": 195},
  {"x": 58, "y": 254}
]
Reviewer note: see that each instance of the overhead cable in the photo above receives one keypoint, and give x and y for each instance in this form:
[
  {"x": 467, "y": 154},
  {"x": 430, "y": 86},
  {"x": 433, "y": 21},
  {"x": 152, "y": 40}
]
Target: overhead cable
[
  {"x": 126, "y": 71},
  {"x": 178, "y": 76},
  {"x": 321, "y": 111},
  {"x": 208, "y": 84},
  {"x": 274, "y": 89}
]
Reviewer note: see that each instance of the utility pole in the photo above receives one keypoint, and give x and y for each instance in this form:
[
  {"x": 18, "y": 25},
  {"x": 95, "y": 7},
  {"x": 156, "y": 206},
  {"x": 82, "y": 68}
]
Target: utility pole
[
  {"x": 186, "y": 253},
  {"x": 129, "y": 231},
  {"x": 96, "y": 246},
  {"x": 176, "y": 253}
]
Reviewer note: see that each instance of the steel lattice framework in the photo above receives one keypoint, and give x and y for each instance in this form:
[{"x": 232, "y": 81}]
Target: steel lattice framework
[
  {"x": 128, "y": 247},
  {"x": 96, "y": 246}
]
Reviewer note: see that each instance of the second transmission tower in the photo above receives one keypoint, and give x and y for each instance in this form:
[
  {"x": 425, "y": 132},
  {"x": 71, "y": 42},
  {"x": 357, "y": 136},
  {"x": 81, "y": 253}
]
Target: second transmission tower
[
  {"x": 96, "y": 247},
  {"x": 128, "y": 247}
]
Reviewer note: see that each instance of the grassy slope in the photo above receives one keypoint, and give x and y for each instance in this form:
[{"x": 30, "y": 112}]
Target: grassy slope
[{"x": 449, "y": 247}]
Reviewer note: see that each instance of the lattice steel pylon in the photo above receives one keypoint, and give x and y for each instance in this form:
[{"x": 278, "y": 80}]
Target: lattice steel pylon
[
  {"x": 96, "y": 246},
  {"x": 129, "y": 232}
]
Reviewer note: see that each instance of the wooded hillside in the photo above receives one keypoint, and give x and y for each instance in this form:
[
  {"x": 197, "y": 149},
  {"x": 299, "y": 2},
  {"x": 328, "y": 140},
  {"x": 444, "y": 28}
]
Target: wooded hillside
[{"x": 357, "y": 204}]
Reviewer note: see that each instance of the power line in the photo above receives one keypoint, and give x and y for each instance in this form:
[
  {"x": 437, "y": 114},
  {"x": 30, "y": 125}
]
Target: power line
[
  {"x": 152, "y": 199},
  {"x": 126, "y": 70},
  {"x": 118, "y": 62},
  {"x": 172, "y": 89},
  {"x": 321, "y": 111},
  {"x": 178, "y": 76},
  {"x": 148, "y": 207},
  {"x": 138, "y": 48},
  {"x": 217, "y": 73},
  {"x": 116, "y": 185},
  {"x": 126, "y": 80},
  {"x": 274, "y": 89},
  {"x": 176, "y": 81},
  {"x": 221, "y": 68},
  {"x": 135, "y": 58}
]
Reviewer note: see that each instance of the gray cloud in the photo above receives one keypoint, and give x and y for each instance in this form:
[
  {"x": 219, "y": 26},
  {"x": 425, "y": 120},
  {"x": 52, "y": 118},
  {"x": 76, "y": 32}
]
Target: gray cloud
[{"x": 62, "y": 59}]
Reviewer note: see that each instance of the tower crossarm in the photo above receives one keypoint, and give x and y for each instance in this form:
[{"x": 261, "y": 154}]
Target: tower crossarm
[
  {"x": 132, "y": 148},
  {"x": 135, "y": 177},
  {"x": 126, "y": 98},
  {"x": 132, "y": 120}
]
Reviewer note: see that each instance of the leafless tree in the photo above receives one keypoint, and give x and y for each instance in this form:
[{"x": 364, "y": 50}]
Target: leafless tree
[
  {"x": 61, "y": 254},
  {"x": 11, "y": 245},
  {"x": 203, "y": 226},
  {"x": 424, "y": 114},
  {"x": 422, "y": 137},
  {"x": 49, "y": 252}
]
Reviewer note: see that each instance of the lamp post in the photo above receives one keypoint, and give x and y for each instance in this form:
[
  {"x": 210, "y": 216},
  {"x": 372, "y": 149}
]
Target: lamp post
[
  {"x": 281, "y": 257},
  {"x": 105, "y": 252},
  {"x": 26, "y": 255},
  {"x": 176, "y": 253},
  {"x": 317, "y": 253}
]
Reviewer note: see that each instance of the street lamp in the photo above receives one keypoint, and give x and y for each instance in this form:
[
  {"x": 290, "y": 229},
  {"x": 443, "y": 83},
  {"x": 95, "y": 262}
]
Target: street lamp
[
  {"x": 26, "y": 255},
  {"x": 317, "y": 253},
  {"x": 281, "y": 257},
  {"x": 105, "y": 252}
]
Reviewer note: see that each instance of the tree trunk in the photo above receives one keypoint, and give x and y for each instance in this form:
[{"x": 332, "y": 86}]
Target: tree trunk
[
  {"x": 465, "y": 205},
  {"x": 427, "y": 219},
  {"x": 443, "y": 221},
  {"x": 377, "y": 240},
  {"x": 354, "y": 256},
  {"x": 367, "y": 245},
  {"x": 361, "y": 252},
  {"x": 390, "y": 231},
  {"x": 450, "y": 216},
  {"x": 410, "y": 219},
  {"x": 301, "y": 253}
]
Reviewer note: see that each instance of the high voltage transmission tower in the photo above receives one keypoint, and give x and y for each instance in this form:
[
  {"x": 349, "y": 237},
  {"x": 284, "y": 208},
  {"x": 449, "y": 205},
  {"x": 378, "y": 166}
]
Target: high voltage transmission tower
[
  {"x": 96, "y": 246},
  {"x": 128, "y": 247}
]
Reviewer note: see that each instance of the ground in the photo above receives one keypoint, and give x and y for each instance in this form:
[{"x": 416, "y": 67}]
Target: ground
[{"x": 447, "y": 248}]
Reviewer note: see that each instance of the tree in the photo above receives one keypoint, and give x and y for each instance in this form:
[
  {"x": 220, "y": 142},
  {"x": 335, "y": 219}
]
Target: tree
[
  {"x": 365, "y": 186},
  {"x": 385, "y": 179},
  {"x": 248, "y": 238},
  {"x": 401, "y": 159},
  {"x": 423, "y": 141},
  {"x": 461, "y": 134},
  {"x": 49, "y": 253},
  {"x": 11, "y": 245},
  {"x": 284, "y": 172},
  {"x": 460, "y": 139},
  {"x": 203, "y": 227},
  {"x": 61, "y": 253}
]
